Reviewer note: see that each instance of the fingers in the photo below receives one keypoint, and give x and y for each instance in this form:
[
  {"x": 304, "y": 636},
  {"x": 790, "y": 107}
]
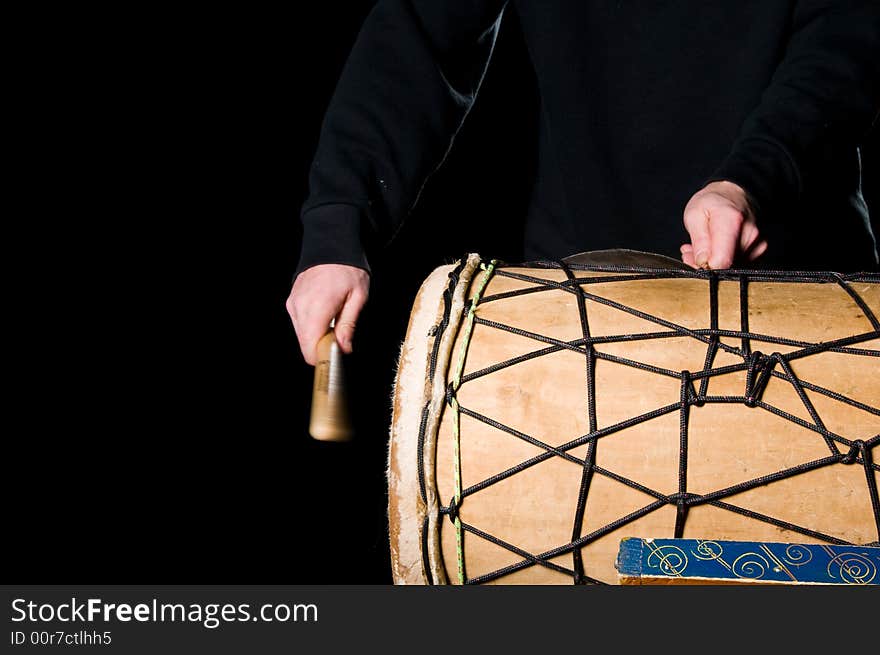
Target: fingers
[
  {"x": 687, "y": 255},
  {"x": 322, "y": 293},
  {"x": 722, "y": 227},
  {"x": 757, "y": 249},
  {"x": 347, "y": 319},
  {"x": 725, "y": 226},
  {"x": 696, "y": 221},
  {"x": 311, "y": 321},
  {"x": 748, "y": 236}
]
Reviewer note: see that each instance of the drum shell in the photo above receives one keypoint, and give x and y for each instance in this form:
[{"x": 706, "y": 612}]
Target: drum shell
[{"x": 545, "y": 398}]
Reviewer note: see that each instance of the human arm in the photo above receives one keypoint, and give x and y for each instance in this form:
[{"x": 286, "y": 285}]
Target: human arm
[
  {"x": 824, "y": 95},
  {"x": 412, "y": 76}
]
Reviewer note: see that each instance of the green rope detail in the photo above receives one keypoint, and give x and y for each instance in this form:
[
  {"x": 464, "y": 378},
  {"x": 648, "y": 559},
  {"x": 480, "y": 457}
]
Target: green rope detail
[{"x": 467, "y": 330}]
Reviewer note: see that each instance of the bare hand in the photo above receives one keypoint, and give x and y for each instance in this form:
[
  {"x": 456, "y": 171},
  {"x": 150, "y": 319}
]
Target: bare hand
[
  {"x": 322, "y": 293},
  {"x": 721, "y": 226}
]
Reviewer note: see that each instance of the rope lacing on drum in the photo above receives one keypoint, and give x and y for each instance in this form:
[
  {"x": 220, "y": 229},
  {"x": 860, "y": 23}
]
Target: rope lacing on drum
[
  {"x": 452, "y": 401},
  {"x": 758, "y": 367}
]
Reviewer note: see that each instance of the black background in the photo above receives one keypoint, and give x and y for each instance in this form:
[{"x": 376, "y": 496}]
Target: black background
[{"x": 158, "y": 411}]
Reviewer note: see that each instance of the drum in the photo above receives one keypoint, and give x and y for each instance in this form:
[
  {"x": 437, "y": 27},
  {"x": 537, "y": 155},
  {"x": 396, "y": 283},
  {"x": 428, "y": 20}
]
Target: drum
[{"x": 543, "y": 412}]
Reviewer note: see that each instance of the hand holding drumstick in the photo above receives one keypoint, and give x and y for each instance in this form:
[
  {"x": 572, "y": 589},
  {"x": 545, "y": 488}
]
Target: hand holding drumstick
[{"x": 325, "y": 295}]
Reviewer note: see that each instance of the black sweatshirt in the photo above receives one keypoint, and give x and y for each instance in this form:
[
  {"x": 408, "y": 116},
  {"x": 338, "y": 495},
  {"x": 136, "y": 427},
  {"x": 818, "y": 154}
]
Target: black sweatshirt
[{"x": 642, "y": 102}]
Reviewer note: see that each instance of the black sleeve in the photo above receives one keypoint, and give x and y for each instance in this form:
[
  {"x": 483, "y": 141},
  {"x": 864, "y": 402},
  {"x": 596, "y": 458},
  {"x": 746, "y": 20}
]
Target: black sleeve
[
  {"x": 825, "y": 90},
  {"x": 408, "y": 84}
]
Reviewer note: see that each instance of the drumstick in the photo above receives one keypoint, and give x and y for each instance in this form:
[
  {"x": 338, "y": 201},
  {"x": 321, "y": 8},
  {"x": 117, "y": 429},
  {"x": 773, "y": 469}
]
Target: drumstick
[{"x": 329, "y": 419}]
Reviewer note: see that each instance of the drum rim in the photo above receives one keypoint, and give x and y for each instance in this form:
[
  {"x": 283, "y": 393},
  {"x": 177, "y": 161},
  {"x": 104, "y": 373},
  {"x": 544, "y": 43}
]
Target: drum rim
[{"x": 417, "y": 424}]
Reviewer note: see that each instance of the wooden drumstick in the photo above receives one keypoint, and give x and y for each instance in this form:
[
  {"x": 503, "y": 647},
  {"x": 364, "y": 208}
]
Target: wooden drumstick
[{"x": 329, "y": 419}]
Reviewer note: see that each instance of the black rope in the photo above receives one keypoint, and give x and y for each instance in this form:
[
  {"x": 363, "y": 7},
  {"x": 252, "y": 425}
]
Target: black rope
[
  {"x": 863, "y": 449},
  {"x": 759, "y": 369},
  {"x": 437, "y": 333},
  {"x": 590, "y": 459},
  {"x": 744, "y": 315},
  {"x": 860, "y": 302},
  {"x": 714, "y": 341},
  {"x": 753, "y": 336},
  {"x": 687, "y": 397},
  {"x": 791, "y": 377}
]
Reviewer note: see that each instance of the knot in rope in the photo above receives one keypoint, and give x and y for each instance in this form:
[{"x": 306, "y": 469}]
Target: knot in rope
[{"x": 858, "y": 447}]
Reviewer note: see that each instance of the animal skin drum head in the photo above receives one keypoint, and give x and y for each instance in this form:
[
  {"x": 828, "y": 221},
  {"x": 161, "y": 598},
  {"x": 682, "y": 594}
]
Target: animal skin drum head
[{"x": 544, "y": 412}]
